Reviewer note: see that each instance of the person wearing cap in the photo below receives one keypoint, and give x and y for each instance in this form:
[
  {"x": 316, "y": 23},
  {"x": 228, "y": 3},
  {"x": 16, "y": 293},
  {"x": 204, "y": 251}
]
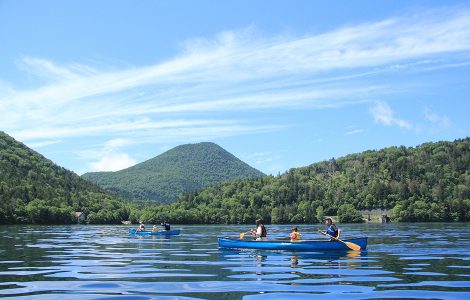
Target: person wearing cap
[
  {"x": 154, "y": 228},
  {"x": 332, "y": 231},
  {"x": 166, "y": 225}
]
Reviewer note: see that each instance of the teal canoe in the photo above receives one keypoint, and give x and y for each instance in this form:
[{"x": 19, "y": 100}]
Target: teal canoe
[
  {"x": 163, "y": 232},
  {"x": 225, "y": 242}
]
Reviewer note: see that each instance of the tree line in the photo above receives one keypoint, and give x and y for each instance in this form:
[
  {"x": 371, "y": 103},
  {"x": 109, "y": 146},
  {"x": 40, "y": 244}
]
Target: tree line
[
  {"x": 34, "y": 190},
  {"x": 428, "y": 183}
]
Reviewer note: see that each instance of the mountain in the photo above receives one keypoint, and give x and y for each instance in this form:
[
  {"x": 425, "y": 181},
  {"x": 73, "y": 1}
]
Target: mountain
[
  {"x": 35, "y": 190},
  {"x": 430, "y": 182},
  {"x": 183, "y": 169}
]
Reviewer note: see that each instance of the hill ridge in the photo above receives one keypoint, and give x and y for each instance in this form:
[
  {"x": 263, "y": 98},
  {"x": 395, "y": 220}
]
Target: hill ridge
[
  {"x": 426, "y": 183},
  {"x": 182, "y": 169},
  {"x": 33, "y": 189}
]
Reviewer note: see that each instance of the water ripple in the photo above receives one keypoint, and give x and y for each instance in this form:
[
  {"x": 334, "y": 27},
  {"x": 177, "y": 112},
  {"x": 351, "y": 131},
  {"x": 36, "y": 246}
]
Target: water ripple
[{"x": 104, "y": 262}]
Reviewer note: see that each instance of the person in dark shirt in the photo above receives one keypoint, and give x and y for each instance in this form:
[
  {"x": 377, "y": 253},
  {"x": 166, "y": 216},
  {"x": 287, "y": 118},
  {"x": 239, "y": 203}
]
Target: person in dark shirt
[
  {"x": 166, "y": 225},
  {"x": 332, "y": 231}
]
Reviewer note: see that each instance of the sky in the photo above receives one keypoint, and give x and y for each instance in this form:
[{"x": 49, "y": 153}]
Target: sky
[{"x": 103, "y": 85}]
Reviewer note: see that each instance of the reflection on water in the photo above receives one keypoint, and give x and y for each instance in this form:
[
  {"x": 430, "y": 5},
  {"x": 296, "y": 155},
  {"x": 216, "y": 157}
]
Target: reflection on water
[{"x": 100, "y": 262}]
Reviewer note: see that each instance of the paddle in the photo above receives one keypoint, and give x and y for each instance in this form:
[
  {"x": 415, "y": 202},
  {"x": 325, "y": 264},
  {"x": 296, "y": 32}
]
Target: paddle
[
  {"x": 350, "y": 245},
  {"x": 138, "y": 229},
  {"x": 242, "y": 235}
]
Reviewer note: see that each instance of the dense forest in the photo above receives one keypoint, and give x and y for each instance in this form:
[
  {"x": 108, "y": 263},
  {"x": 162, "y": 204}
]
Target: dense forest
[
  {"x": 183, "y": 169},
  {"x": 428, "y": 183},
  {"x": 34, "y": 190}
]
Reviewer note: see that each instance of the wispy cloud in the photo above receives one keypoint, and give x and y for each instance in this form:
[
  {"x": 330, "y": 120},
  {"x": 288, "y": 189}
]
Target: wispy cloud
[
  {"x": 268, "y": 161},
  {"x": 383, "y": 114},
  {"x": 113, "y": 162},
  {"x": 442, "y": 120},
  {"x": 194, "y": 94},
  {"x": 355, "y": 131},
  {"x": 137, "y": 128},
  {"x": 35, "y": 145}
]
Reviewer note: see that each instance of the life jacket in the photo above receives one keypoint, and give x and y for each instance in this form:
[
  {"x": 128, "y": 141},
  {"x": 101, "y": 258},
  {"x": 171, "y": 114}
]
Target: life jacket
[
  {"x": 264, "y": 233},
  {"x": 295, "y": 236},
  {"x": 333, "y": 230},
  {"x": 167, "y": 226}
]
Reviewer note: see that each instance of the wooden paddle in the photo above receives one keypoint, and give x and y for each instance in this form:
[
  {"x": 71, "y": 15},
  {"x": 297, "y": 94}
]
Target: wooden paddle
[
  {"x": 242, "y": 235},
  {"x": 350, "y": 245},
  {"x": 138, "y": 229}
]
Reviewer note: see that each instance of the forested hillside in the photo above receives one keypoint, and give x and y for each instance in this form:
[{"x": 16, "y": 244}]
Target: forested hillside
[
  {"x": 183, "y": 169},
  {"x": 35, "y": 190},
  {"x": 428, "y": 183}
]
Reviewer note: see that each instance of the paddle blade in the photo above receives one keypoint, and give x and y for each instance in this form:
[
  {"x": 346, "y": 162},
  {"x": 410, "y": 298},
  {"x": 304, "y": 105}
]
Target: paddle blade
[
  {"x": 242, "y": 235},
  {"x": 353, "y": 246}
]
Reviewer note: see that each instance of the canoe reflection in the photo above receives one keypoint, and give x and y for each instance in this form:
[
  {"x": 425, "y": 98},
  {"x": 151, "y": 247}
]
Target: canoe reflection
[{"x": 297, "y": 259}]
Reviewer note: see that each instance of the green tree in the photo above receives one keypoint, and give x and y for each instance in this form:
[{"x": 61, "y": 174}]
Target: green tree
[
  {"x": 320, "y": 213},
  {"x": 348, "y": 214}
]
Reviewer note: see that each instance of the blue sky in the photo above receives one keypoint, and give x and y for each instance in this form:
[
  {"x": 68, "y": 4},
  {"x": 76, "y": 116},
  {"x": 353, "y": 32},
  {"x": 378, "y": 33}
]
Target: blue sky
[{"x": 102, "y": 85}]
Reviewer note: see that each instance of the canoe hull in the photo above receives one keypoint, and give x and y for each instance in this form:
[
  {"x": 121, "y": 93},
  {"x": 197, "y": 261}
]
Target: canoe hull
[
  {"x": 169, "y": 232},
  {"x": 292, "y": 246}
]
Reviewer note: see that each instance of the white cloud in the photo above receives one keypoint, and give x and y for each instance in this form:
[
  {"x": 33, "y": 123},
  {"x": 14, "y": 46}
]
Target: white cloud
[
  {"x": 355, "y": 131},
  {"x": 261, "y": 158},
  {"x": 143, "y": 127},
  {"x": 442, "y": 120},
  {"x": 35, "y": 145},
  {"x": 113, "y": 162},
  {"x": 383, "y": 114},
  {"x": 237, "y": 71},
  {"x": 118, "y": 143}
]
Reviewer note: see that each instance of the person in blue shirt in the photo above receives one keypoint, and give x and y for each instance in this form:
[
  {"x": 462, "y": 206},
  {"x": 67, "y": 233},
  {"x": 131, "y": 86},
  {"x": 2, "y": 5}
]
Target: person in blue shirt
[
  {"x": 332, "y": 231},
  {"x": 166, "y": 225}
]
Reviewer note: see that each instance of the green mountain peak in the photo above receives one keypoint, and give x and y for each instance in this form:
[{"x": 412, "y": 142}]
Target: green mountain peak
[{"x": 180, "y": 170}]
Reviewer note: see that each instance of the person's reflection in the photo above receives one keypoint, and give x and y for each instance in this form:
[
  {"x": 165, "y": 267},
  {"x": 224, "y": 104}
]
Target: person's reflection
[
  {"x": 344, "y": 259},
  {"x": 260, "y": 259},
  {"x": 294, "y": 262}
]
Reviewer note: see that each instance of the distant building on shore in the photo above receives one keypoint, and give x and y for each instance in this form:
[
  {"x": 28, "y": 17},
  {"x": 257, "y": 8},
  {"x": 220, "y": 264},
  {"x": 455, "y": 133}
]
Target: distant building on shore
[{"x": 384, "y": 219}]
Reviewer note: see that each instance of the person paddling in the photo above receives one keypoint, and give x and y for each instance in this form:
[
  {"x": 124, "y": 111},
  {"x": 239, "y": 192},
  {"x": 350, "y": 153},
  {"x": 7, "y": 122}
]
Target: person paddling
[
  {"x": 141, "y": 227},
  {"x": 332, "y": 231},
  {"x": 260, "y": 233},
  {"x": 166, "y": 225}
]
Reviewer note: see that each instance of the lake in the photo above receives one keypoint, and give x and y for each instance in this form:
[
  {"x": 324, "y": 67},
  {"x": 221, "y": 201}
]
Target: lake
[{"x": 426, "y": 261}]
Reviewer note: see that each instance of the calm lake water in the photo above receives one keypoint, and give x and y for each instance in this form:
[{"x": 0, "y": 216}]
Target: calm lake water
[{"x": 426, "y": 261}]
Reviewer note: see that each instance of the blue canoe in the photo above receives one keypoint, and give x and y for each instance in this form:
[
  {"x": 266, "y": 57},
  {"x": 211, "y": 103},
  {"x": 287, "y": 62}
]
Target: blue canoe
[
  {"x": 225, "y": 242},
  {"x": 164, "y": 232}
]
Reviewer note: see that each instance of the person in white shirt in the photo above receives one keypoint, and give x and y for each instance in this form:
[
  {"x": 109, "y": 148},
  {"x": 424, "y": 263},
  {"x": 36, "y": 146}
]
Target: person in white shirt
[{"x": 260, "y": 233}]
